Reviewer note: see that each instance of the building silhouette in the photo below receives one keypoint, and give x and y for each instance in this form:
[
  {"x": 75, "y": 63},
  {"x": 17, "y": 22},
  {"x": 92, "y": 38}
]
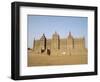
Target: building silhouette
[{"x": 59, "y": 46}]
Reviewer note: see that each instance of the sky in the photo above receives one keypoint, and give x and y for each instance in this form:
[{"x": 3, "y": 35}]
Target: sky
[{"x": 39, "y": 24}]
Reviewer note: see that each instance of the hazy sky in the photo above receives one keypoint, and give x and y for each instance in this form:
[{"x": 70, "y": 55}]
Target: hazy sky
[{"x": 39, "y": 24}]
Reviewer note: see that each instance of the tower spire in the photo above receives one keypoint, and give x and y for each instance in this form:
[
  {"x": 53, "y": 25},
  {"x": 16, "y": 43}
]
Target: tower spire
[
  {"x": 70, "y": 34},
  {"x": 43, "y": 36},
  {"x": 55, "y": 32}
]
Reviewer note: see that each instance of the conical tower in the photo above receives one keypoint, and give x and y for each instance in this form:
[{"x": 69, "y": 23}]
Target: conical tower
[
  {"x": 70, "y": 41},
  {"x": 43, "y": 42},
  {"x": 34, "y": 44},
  {"x": 55, "y": 43}
]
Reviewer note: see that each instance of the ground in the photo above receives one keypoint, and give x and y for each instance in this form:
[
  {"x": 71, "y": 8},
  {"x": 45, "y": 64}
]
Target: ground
[{"x": 46, "y": 60}]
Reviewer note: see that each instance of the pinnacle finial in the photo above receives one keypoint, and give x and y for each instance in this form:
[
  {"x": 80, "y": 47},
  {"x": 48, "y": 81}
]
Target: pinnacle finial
[
  {"x": 43, "y": 34},
  {"x": 69, "y": 33},
  {"x": 55, "y": 32}
]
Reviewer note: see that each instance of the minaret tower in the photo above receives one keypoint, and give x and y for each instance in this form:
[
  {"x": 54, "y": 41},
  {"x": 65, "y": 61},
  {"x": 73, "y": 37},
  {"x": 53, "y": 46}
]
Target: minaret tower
[
  {"x": 43, "y": 42},
  {"x": 34, "y": 44},
  {"x": 70, "y": 41},
  {"x": 55, "y": 41}
]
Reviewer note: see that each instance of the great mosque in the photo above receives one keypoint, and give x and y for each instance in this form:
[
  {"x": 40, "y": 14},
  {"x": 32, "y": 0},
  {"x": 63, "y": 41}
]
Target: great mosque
[{"x": 58, "y": 50}]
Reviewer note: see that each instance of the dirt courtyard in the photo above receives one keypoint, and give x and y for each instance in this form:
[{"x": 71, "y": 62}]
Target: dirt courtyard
[{"x": 46, "y": 60}]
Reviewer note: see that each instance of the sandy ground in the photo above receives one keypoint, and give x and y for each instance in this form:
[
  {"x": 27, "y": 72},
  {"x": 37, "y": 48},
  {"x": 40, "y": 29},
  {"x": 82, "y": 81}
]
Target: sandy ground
[{"x": 46, "y": 60}]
